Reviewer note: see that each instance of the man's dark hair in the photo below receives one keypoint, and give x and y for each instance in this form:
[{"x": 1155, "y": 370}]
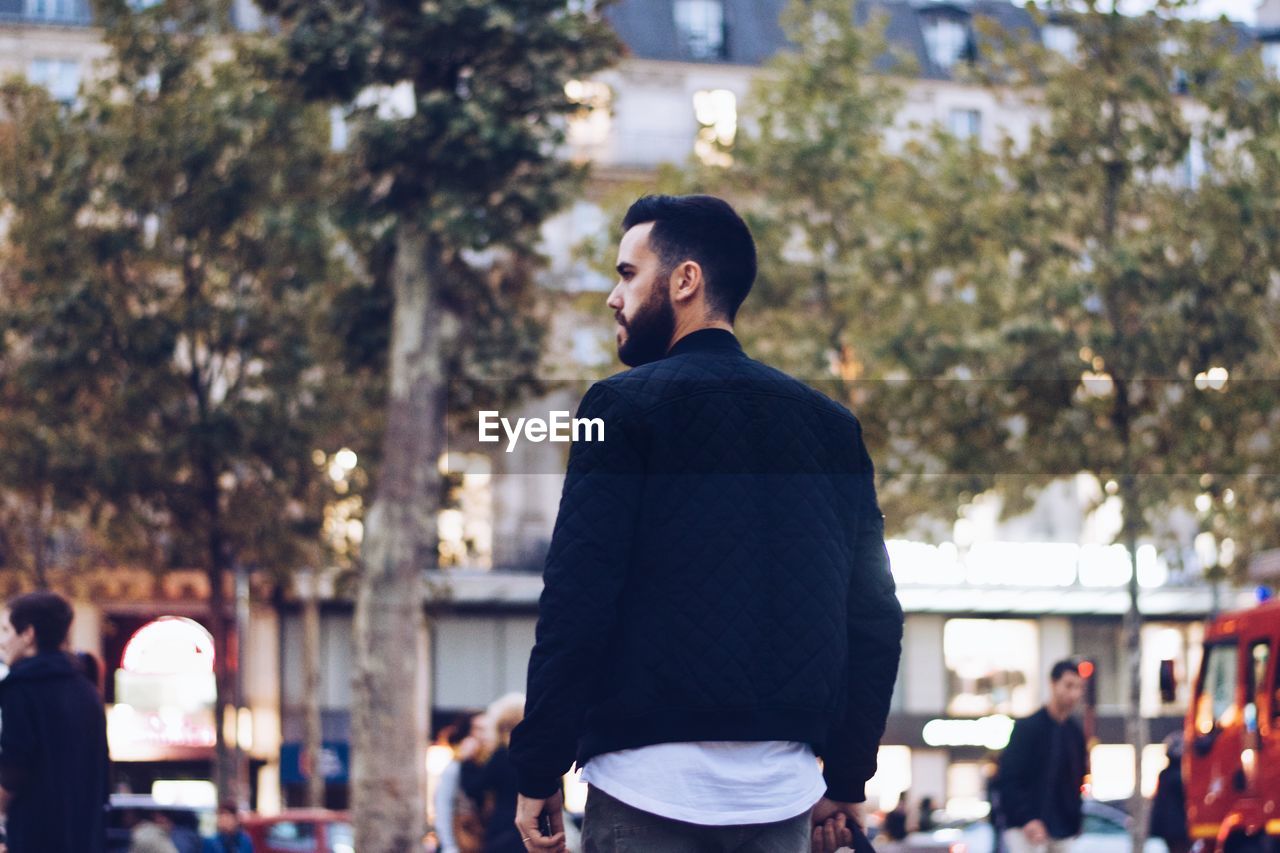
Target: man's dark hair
[
  {"x": 47, "y": 612},
  {"x": 704, "y": 229},
  {"x": 1061, "y": 668}
]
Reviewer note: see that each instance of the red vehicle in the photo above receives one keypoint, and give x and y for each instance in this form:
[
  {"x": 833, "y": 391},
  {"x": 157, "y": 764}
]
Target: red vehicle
[
  {"x": 1231, "y": 760},
  {"x": 301, "y": 831}
]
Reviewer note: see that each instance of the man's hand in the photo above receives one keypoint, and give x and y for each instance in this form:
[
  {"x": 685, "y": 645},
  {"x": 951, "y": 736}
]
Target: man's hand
[
  {"x": 833, "y": 825},
  {"x": 527, "y": 813},
  {"x": 1036, "y": 832}
]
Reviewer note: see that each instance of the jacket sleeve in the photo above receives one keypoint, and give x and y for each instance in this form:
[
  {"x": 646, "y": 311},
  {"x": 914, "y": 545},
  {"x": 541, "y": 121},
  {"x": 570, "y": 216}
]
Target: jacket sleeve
[
  {"x": 874, "y": 647},
  {"x": 1016, "y": 783},
  {"x": 585, "y": 572}
]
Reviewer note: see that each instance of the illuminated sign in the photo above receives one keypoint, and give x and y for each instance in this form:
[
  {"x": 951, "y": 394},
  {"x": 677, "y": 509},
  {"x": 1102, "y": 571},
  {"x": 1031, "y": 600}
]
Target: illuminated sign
[
  {"x": 991, "y": 732},
  {"x": 164, "y": 692},
  {"x": 170, "y": 645}
]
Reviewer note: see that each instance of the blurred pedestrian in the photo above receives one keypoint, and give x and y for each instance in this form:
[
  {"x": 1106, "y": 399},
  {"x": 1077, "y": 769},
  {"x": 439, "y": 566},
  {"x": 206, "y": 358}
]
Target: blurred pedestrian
[
  {"x": 459, "y": 828},
  {"x": 184, "y": 831},
  {"x": 152, "y": 836},
  {"x": 230, "y": 838},
  {"x": 991, "y": 774},
  {"x": 497, "y": 787},
  {"x": 53, "y": 744},
  {"x": 926, "y": 823},
  {"x": 718, "y": 609},
  {"x": 895, "y": 821},
  {"x": 1169, "y": 807},
  {"x": 1042, "y": 770}
]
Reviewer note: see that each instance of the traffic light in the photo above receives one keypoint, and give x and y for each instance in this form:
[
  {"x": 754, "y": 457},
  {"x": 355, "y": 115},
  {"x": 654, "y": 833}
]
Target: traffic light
[{"x": 1089, "y": 674}]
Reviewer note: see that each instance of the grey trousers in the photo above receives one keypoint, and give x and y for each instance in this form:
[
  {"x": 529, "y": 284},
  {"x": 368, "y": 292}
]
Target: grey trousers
[{"x": 612, "y": 826}]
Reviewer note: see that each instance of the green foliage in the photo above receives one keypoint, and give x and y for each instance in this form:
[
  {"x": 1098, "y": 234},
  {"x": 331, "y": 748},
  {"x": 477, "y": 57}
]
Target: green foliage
[
  {"x": 475, "y": 163},
  {"x": 1133, "y": 269},
  {"x": 166, "y": 255}
]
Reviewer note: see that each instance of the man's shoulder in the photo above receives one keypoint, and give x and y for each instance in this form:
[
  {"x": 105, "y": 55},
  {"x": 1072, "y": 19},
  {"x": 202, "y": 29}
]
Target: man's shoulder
[{"x": 693, "y": 373}]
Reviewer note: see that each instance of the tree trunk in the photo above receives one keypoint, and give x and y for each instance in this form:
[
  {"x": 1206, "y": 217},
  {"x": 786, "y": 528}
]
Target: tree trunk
[
  {"x": 1134, "y": 725},
  {"x": 389, "y": 715},
  {"x": 224, "y": 765},
  {"x": 313, "y": 731}
]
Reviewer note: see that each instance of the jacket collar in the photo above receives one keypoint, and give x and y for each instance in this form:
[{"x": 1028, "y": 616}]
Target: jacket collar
[
  {"x": 706, "y": 340},
  {"x": 42, "y": 666}
]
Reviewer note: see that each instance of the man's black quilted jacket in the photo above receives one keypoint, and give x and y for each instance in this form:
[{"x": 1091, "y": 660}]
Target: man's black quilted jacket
[{"x": 717, "y": 572}]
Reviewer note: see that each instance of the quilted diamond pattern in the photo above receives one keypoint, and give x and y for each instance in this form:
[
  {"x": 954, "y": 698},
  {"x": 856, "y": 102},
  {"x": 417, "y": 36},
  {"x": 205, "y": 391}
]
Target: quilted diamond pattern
[{"x": 717, "y": 571}]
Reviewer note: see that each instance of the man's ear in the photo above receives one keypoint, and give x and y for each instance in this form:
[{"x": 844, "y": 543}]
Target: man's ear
[{"x": 686, "y": 281}]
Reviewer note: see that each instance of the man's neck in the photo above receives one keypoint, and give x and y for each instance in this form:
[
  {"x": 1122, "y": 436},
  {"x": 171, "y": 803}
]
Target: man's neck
[
  {"x": 1058, "y": 715},
  {"x": 685, "y": 329}
]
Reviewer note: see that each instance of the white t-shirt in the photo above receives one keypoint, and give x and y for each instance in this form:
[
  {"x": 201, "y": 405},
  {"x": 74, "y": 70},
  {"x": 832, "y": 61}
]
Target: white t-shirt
[{"x": 712, "y": 783}]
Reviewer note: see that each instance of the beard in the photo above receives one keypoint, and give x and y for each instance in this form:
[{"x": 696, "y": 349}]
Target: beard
[{"x": 649, "y": 331}]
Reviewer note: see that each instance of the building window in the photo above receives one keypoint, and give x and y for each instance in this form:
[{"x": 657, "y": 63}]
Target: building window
[
  {"x": 965, "y": 124},
  {"x": 946, "y": 40},
  {"x": 339, "y": 130},
  {"x": 1161, "y": 642},
  {"x": 1271, "y": 57},
  {"x": 60, "y": 76},
  {"x": 700, "y": 26},
  {"x": 1111, "y": 776},
  {"x": 591, "y": 123},
  {"x": 992, "y": 666},
  {"x": 967, "y": 794},
  {"x": 55, "y": 10},
  {"x": 717, "y": 114},
  {"x": 1062, "y": 40},
  {"x": 465, "y": 523},
  {"x": 1194, "y": 165}
]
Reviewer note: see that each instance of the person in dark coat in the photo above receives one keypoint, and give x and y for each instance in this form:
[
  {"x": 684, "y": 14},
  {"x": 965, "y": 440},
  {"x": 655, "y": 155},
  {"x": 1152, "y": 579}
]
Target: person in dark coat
[
  {"x": 230, "y": 837},
  {"x": 718, "y": 612},
  {"x": 1169, "y": 807},
  {"x": 1042, "y": 769},
  {"x": 53, "y": 742}
]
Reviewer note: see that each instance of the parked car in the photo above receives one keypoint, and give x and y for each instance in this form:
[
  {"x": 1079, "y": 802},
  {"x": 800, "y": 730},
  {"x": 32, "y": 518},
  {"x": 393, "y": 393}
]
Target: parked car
[
  {"x": 126, "y": 810},
  {"x": 1106, "y": 830},
  {"x": 301, "y": 831}
]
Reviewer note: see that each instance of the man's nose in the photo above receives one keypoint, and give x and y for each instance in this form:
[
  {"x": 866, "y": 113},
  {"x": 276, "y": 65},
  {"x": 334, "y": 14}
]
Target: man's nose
[{"x": 615, "y": 298}]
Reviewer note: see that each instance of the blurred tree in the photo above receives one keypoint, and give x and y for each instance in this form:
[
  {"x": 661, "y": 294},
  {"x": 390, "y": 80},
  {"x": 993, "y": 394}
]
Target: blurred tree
[
  {"x": 165, "y": 261},
  {"x": 1135, "y": 267},
  {"x": 454, "y": 115}
]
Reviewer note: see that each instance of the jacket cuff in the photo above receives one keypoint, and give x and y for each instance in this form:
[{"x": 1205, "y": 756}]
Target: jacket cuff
[
  {"x": 849, "y": 786},
  {"x": 537, "y": 785}
]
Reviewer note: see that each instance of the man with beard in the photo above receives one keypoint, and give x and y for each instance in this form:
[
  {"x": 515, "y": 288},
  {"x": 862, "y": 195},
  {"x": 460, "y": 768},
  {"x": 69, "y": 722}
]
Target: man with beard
[{"x": 718, "y": 611}]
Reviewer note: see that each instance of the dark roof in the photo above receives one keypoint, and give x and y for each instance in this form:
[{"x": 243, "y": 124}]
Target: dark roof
[{"x": 752, "y": 32}]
